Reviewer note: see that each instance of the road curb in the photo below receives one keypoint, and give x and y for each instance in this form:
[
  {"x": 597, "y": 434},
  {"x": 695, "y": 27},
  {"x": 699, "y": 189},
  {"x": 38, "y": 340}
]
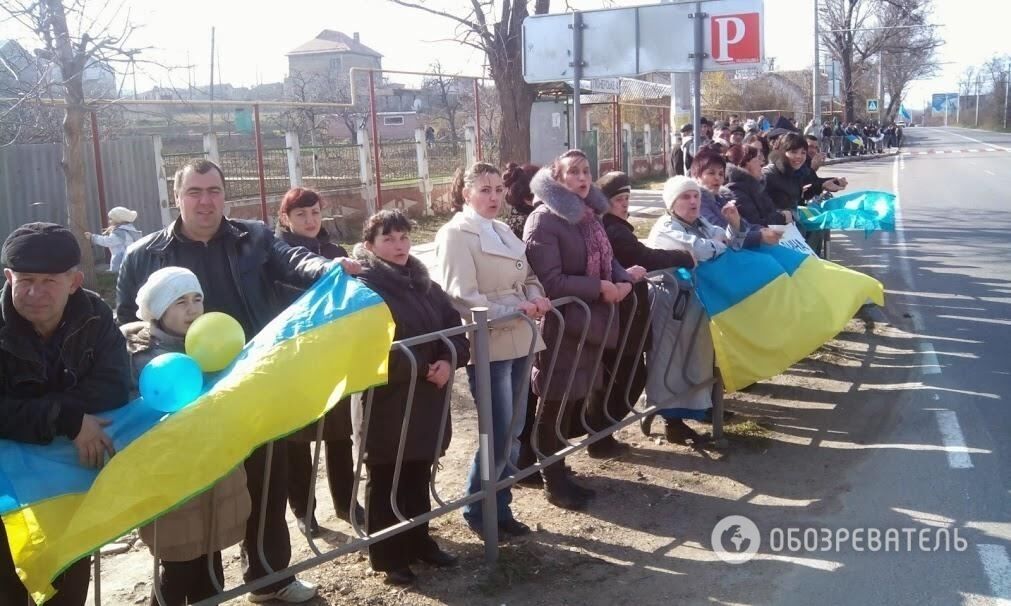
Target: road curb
[{"x": 848, "y": 159}]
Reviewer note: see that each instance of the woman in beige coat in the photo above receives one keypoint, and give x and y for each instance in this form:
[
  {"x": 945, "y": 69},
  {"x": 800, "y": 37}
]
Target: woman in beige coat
[{"x": 483, "y": 264}]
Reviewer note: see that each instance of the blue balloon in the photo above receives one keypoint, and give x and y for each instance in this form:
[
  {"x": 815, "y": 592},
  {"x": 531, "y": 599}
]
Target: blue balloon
[{"x": 170, "y": 382}]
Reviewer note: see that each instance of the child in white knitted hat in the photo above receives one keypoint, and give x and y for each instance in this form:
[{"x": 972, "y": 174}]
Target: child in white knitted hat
[
  {"x": 169, "y": 302},
  {"x": 120, "y": 234}
]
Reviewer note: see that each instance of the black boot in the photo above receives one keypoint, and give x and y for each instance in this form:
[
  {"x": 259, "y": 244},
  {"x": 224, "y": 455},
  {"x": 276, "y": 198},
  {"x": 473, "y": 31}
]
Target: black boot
[
  {"x": 677, "y": 432},
  {"x": 560, "y": 491},
  {"x": 646, "y": 424},
  {"x": 606, "y": 448}
]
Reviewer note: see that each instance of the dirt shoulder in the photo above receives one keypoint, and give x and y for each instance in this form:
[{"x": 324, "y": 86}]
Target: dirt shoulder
[{"x": 646, "y": 537}]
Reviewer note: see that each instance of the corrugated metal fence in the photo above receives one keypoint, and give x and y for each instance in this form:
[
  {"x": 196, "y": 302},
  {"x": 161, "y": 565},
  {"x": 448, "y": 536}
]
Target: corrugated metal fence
[{"x": 32, "y": 186}]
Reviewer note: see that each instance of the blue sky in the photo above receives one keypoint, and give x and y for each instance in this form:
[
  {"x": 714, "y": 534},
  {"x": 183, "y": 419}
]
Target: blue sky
[{"x": 253, "y": 39}]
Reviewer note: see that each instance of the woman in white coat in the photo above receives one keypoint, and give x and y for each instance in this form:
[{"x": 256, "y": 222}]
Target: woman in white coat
[{"x": 483, "y": 263}]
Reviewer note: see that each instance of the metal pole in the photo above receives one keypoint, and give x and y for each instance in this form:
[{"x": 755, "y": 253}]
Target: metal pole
[
  {"x": 619, "y": 136},
  {"x": 815, "y": 106},
  {"x": 699, "y": 56},
  {"x": 99, "y": 173},
  {"x": 259, "y": 163},
  {"x": 486, "y": 445},
  {"x": 1007, "y": 82},
  {"x": 977, "y": 102},
  {"x": 577, "y": 73},
  {"x": 211, "y": 124},
  {"x": 881, "y": 83},
  {"x": 477, "y": 121},
  {"x": 615, "y": 130},
  {"x": 375, "y": 140},
  {"x": 946, "y": 104}
]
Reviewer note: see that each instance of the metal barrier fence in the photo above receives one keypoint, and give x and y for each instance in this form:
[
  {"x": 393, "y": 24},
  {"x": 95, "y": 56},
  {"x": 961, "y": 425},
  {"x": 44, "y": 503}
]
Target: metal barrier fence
[
  {"x": 478, "y": 330},
  {"x": 331, "y": 166},
  {"x": 398, "y": 160},
  {"x": 444, "y": 157},
  {"x": 242, "y": 178}
]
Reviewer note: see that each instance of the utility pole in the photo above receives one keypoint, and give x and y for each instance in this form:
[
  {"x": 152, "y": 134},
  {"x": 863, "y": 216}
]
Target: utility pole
[
  {"x": 977, "y": 101},
  {"x": 881, "y": 84},
  {"x": 815, "y": 105},
  {"x": 211, "y": 124},
  {"x": 1007, "y": 82}
]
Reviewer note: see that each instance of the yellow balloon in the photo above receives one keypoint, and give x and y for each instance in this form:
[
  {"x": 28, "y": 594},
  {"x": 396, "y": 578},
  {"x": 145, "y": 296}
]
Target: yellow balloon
[{"x": 214, "y": 340}]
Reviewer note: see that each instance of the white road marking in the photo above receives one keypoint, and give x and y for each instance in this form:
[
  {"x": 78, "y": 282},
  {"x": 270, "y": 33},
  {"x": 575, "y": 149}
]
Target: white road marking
[
  {"x": 931, "y": 366},
  {"x": 994, "y": 145},
  {"x": 991, "y": 173},
  {"x": 900, "y": 240},
  {"x": 954, "y": 441},
  {"x": 998, "y": 570}
]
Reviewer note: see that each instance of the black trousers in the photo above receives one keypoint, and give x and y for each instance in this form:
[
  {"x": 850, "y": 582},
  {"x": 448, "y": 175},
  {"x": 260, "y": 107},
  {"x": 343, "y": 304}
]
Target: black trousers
[
  {"x": 527, "y": 456},
  {"x": 72, "y": 585},
  {"x": 340, "y": 475},
  {"x": 183, "y": 583},
  {"x": 629, "y": 371},
  {"x": 399, "y": 550},
  {"x": 276, "y": 542}
]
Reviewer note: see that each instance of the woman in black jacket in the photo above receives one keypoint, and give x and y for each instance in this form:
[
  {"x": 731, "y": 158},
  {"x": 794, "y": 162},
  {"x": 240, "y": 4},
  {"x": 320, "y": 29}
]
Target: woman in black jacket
[
  {"x": 782, "y": 181},
  {"x": 419, "y": 307},
  {"x": 630, "y": 370},
  {"x": 300, "y": 223},
  {"x": 746, "y": 184}
]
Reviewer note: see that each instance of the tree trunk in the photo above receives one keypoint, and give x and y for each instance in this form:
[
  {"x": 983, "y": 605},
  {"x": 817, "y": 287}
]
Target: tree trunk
[
  {"x": 71, "y": 67},
  {"x": 516, "y": 98},
  {"x": 77, "y": 192},
  {"x": 847, "y": 82}
]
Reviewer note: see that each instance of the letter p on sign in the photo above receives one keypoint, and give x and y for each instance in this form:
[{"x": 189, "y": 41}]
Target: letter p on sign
[{"x": 736, "y": 38}]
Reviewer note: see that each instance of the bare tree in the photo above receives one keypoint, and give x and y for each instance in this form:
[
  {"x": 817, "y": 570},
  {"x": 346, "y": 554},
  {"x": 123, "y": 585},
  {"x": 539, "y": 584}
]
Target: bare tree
[
  {"x": 908, "y": 54},
  {"x": 857, "y": 31},
  {"x": 72, "y": 52},
  {"x": 448, "y": 99},
  {"x": 495, "y": 27},
  {"x": 329, "y": 87}
]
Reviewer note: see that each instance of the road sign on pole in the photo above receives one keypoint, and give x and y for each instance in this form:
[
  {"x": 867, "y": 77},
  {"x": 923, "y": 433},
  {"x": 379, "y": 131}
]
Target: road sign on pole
[
  {"x": 643, "y": 39},
  {"x": 872, "y": 106}
]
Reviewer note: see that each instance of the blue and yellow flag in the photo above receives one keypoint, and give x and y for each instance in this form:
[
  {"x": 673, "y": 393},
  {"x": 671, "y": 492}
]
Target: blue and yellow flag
[
  {"x": 771, "y": 307},
  {"x": 332, "y": 342},
  {"x": 861, "y": 210}
]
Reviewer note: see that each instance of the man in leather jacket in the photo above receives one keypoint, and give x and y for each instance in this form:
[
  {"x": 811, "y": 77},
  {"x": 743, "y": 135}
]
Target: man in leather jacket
[{"x": 63, "y": 362}]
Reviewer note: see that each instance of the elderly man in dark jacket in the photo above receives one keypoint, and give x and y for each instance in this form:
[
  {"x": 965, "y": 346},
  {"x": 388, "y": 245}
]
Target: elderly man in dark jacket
[
  {"x": 238, "y": 264},
  {"x": 62, "y": 362}
]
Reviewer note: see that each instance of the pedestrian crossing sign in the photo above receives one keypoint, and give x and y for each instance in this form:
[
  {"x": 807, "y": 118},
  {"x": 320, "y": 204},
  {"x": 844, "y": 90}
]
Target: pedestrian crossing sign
[{"x": 872, "y": 106}]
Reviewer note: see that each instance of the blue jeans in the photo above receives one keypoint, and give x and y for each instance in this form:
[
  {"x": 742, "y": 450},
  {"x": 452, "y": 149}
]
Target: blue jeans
[{"x": 506, "y": 381}]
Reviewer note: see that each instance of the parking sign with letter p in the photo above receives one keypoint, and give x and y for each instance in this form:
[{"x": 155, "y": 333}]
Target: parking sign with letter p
[{"x": 736, "y": 38}]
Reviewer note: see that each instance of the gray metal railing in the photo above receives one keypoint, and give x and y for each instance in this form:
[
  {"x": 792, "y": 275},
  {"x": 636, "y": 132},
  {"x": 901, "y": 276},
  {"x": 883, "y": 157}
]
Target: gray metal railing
[{"x": 478, "y": 330}]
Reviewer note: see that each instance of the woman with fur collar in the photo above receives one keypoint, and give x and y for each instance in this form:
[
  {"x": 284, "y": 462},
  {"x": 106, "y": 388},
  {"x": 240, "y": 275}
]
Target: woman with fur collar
[
  {"x": 568, "y": 249},
  {"x": 419, "y": 307}
]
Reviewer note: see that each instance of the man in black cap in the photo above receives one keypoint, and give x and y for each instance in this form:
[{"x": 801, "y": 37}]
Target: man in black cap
[
  {"x": 239, "y": 263},
  {"x": 62, "y": 362}
]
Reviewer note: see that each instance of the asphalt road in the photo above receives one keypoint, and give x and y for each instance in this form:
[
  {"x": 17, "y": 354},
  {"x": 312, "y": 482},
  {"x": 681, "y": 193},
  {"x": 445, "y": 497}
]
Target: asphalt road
[
  {"x": 943, "y": 464},
  {"x": 946, "y": 462}
]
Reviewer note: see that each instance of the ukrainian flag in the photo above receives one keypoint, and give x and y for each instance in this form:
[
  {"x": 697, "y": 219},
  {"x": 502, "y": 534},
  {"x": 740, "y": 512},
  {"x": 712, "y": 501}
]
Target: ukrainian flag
[
  {"x": 333, "y": 341},
  {"x": 771, "y": 307}
]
